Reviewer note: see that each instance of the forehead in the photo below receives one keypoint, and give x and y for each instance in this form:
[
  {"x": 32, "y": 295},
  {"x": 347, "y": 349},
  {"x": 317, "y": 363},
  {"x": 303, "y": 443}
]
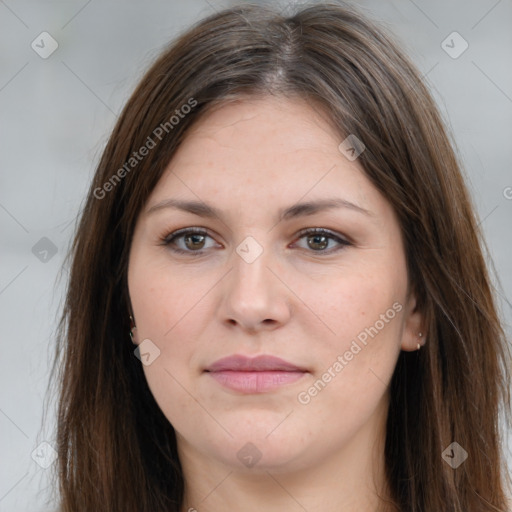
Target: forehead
[
  {"x": 262, "y": 151},
  {"x": 262, "y": 124}
]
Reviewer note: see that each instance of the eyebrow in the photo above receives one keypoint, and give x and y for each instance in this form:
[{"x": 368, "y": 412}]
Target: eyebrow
[{"x": 203, "y": 209}]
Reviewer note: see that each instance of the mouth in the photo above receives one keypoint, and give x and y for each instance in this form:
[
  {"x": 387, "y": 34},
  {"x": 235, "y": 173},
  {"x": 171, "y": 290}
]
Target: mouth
[{"x": 254, "y": 375}]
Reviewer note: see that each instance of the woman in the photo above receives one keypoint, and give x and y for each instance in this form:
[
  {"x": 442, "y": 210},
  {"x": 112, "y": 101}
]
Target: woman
[{"x": 280, "y": 225}]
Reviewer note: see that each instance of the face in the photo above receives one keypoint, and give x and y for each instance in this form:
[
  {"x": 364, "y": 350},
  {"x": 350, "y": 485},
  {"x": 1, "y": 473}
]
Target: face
[{"x": 264, "y": 244}]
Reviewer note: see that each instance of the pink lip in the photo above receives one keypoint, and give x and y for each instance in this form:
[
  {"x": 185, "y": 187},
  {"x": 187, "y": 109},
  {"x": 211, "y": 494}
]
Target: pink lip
[{"x": 254, "y": 375}]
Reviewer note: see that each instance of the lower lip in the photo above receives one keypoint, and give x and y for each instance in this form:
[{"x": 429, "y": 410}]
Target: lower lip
[{"x": 255, "y": 382}]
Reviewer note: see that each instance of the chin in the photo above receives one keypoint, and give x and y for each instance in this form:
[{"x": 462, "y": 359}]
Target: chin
[
  {"x": 262, "y": 446},
  {"x": 261, "y": 456}
]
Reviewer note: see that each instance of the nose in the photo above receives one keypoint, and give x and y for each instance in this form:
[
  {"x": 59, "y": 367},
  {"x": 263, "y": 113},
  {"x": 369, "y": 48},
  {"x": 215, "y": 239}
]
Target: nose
[{"x": 254, "y": 295}]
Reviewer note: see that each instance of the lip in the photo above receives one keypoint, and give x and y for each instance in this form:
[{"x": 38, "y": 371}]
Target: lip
[
  {"x": 254, "y": 374},
  {"x": 239, "y": 363}
]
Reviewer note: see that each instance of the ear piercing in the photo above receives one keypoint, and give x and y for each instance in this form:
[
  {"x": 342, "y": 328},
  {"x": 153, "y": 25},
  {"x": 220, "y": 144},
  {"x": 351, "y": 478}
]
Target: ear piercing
[
  {"x": 420, "y": 334},
  {"x": 132, "y": 327}
]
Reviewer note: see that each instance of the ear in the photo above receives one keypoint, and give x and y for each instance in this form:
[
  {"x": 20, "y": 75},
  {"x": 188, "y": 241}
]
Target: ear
[
  {"x": 134, "y": 335},
  {"x": 414, "y": 330}
]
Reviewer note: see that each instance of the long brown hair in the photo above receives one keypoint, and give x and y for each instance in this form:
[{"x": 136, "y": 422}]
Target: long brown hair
[{"x": 116, "y": 449}]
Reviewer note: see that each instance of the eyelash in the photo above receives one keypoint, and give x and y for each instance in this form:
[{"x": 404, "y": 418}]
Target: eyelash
[{"x": 170, "y": 239}]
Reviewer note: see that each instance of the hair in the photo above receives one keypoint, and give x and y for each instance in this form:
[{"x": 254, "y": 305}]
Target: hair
[{"x": 116, "y": 449}]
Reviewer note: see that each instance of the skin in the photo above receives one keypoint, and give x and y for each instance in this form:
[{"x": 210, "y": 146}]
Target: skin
[{"x": 250, "y": 159}]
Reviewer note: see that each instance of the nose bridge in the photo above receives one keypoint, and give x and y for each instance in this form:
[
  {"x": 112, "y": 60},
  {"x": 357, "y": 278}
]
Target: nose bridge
[
  {"x": 250, "y": 272},
  {"x": 252, "y": 293}
]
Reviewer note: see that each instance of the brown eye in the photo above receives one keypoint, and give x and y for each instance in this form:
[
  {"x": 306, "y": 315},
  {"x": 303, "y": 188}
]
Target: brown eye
[
  {"x": 194, "y": 241},
  {"x": 318, "y": 240},
  {"x": 188, "y": 241}
]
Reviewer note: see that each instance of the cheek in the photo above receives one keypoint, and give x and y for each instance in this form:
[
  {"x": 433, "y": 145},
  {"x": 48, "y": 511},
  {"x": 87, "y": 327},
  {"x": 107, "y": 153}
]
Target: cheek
[
  {"x": 170, "y": 377},
  {"x": 356, "y": 364},
  {"x": 165, "y": 300},
  {"x": 365, "y": 320},
  {"x": 357, "y": 302},
  {"x": 168, "y": 307}
]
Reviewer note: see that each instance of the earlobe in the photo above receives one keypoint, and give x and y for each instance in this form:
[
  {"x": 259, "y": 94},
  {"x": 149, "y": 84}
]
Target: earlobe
[
  {"x": 421, "y": 340},
  {"x": 133, "y": 331},
  {"x": 413, "y": 336}
]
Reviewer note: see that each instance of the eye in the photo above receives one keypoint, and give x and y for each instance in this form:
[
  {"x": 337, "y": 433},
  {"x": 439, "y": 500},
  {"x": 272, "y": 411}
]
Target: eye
[
  {"x": 318, "y": 240},
  {"x": 192, "y": 241}
]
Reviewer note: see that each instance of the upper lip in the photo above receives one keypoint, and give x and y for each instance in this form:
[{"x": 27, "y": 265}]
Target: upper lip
[{"x": 253, "y": 364}]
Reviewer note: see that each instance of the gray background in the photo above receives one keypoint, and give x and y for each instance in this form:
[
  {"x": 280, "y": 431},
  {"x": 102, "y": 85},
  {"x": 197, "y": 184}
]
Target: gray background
[{"x": 56, "y": 115}]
